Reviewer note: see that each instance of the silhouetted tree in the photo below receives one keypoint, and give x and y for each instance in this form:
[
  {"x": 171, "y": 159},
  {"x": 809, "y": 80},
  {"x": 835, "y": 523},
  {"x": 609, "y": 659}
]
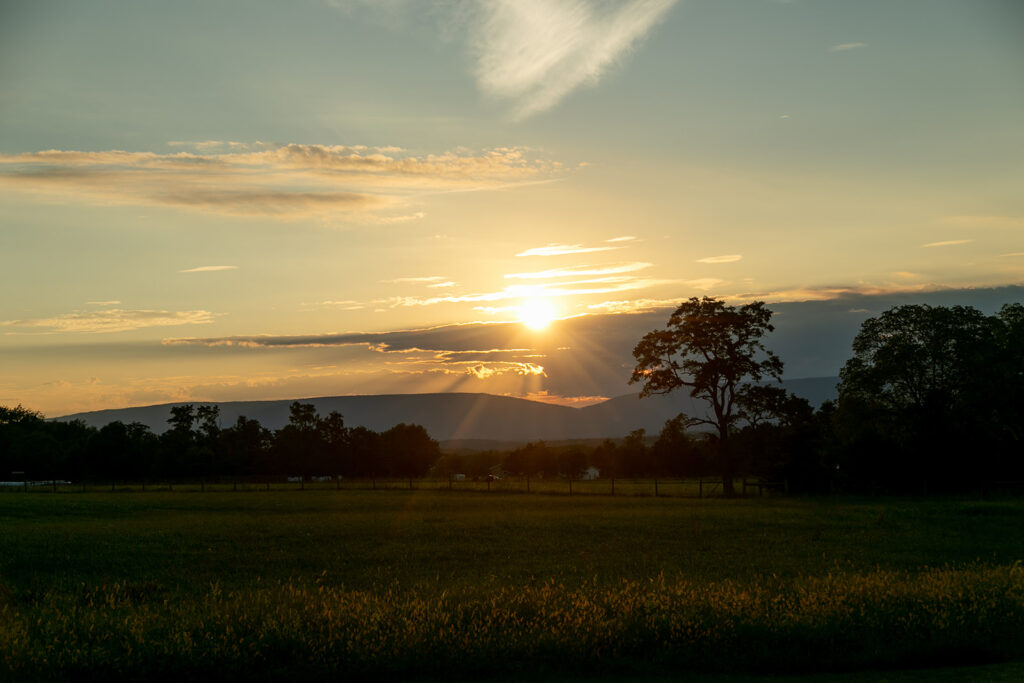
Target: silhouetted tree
[
  {"x": 605, "y": 458},
  {"x": 122, "y": 451},
  {"x": 572, "y": 462},
  {"x": 297, "y": 445},
  {"x": 334, "y": 450},
  {"x": 675, "y": 452},
  {"x": 926, "y": 374},
  {"x": 711, "y": 349},
  {"x": 633, "y": 454},
  {"x": 245, "y": 446},
  {"x": 408, "y": 450},
  {"x": 364, "y": 452},
  {"x": 531, "y": 460}
]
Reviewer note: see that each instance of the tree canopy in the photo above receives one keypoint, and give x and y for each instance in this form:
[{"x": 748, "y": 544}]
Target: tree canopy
[{"x": 712, "y": 349}]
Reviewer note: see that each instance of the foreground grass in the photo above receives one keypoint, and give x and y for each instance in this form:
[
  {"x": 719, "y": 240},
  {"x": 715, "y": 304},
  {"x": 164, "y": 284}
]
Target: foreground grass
[{"x": 380, "y": 583}]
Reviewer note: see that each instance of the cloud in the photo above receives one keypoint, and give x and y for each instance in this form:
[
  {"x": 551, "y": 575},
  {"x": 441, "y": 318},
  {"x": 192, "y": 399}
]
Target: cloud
[
  {"x": 111, "y": 320},
  {"x": 634, "y": 305},
  {"x": 562, "y": 250},
  {"x": 947, "y": 243},
  {"x": 580, "y": 270},
  {"x": 425, "y": 278},
  {"x": 345, "y": 305},
  {"x": 558, "y": 400},
  {"x": 442, "y": 285},
  {"x": 211, "y": 145},
  {"x": 206, "y": 269},
  {"x": 843, "y": 47},
  {"x": 728, "y": 258},
  {"x": 392, "y": 220},
  {"x": 535, "y": 52},
  {"x": 601, "y": 285},
  {"x": 481, "y": 371},
  {"x": 283, "y": 181},
  {"x": 704, "y": 283},
  {"x": 624, "y": 238},
  {"x": 103, "y": 303},
  {"x": 1013, "y": 253}
]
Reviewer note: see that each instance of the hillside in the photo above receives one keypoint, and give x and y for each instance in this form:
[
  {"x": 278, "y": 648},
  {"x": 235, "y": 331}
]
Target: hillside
[{"x": 457, "y": 416}]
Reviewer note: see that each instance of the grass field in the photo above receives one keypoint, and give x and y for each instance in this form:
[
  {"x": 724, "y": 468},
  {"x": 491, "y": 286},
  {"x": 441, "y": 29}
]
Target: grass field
[{"x": 322, "y": 584}]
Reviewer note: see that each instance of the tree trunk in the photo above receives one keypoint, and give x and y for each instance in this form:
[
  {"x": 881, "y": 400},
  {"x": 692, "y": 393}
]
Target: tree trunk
[{"x": 728, "y": 471}]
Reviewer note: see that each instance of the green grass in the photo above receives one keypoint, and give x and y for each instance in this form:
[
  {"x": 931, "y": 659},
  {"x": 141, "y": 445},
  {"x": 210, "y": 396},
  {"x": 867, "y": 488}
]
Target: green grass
[{"x": 398, "y": 582}]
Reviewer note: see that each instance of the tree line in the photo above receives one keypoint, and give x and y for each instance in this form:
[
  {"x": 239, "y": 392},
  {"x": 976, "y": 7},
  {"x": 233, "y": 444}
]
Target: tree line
[
  {"x": 932, "y": 400},
  {"x": 195, "y": 446}
]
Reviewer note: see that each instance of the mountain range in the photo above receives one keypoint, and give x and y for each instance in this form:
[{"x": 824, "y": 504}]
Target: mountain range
[{"x": 462, "y": 416}]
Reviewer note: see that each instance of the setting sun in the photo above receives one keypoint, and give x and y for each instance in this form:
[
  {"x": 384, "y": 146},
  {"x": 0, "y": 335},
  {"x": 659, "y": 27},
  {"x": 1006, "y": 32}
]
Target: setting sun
[{"x": 537, "y": 314}]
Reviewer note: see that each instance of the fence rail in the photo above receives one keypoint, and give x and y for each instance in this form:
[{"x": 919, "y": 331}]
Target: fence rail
[{"x": 653, "y": 487}]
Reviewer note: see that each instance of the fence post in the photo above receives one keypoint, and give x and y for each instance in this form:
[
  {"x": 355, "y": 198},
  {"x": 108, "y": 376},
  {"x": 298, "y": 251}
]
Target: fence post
[
  {"x": 449, "y": 481},
  {"x": 527, "y": 483},
  {"x": 234, "y": 484},
  {"x": 83, "y": 486},
  {"x": 655, "y": 488},
  {"x": 570, "y": 486},
  {"x": 488, "y": 483},
  {"x": 410, "y": 483},
  {"x": 54, "y": 482},
  {"x": 202, "y": 485},
  {"x": 111, "y": 485},
  {"x": 700, "y": 488},
  {"x": 337, "y": 483},
  {"x": 373, "y": 483},
  {"x": 613, "y": 486}
]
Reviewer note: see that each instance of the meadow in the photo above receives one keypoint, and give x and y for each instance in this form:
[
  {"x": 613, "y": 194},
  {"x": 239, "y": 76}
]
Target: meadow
[{"x": 359, "y": 583}]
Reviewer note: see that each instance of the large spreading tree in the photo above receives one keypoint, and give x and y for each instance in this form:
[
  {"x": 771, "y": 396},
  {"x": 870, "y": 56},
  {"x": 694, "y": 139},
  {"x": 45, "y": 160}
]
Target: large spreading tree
[
  {"x": 714, "y": 350},
  {"x": 934, "y": 394}
]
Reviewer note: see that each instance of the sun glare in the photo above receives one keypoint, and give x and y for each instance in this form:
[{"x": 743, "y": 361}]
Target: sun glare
[{"x": 536, "y": 314}]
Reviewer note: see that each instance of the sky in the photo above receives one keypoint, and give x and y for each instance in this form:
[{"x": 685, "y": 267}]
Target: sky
[{"x": 226, "y": 200}]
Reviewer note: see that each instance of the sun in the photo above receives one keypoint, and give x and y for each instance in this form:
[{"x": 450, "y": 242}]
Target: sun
[{"x": 536, "y": 314}]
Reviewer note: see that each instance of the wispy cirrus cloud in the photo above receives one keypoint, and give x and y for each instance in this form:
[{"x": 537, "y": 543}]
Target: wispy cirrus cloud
[
  {"x": 946, "y": 243},
  {"x": 283, "y": 181},
  {"x": 562, "y": 250},
  {"x": 843, "y": 47},
  {"x": 633, "y": 305},
  {"x": 344, "y": 305},
  {"x": 575, "y": 271},
  {"x": 727, "y": 258},
  {"x": 415, "y": 280},
  {"x": 207, "y": 269},
  {"x": 535, "y": 52},
  {"x": 598, "y": 285},
  {"x": 109, "y": 320}
]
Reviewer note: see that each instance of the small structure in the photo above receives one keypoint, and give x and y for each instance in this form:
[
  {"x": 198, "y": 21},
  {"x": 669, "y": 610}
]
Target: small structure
[{"x": 590, "y": 474}]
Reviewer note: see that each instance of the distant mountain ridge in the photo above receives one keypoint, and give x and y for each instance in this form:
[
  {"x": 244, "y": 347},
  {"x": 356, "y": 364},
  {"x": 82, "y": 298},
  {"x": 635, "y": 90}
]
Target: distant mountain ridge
[{"x": 462, "y": 416}]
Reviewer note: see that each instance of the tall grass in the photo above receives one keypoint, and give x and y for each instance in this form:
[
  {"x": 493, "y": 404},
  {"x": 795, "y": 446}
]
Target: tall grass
[
  {"x": 834, "y": 622},
  {"x": 324, "y": 584}
]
